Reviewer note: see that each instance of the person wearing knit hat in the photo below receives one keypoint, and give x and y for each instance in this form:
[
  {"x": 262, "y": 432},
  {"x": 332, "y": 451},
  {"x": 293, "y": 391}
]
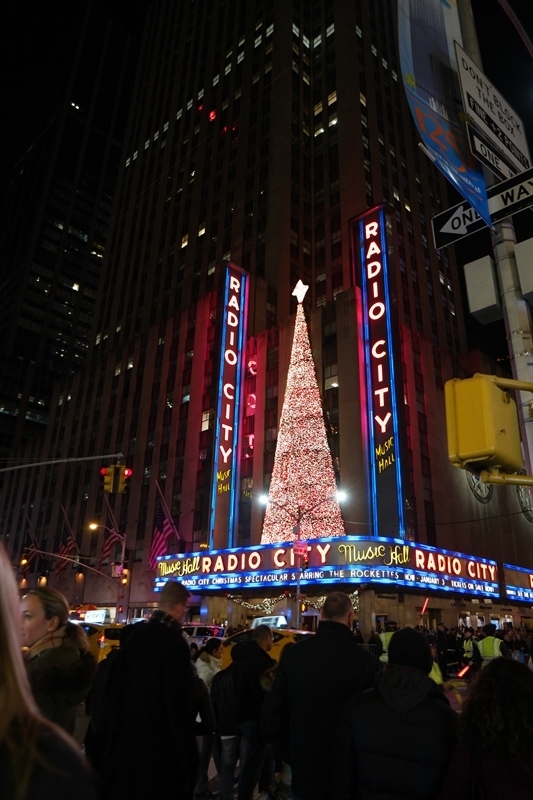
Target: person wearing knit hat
[
  {"x": 408, "y": 648},
  {"x": 396, "y": 739}
]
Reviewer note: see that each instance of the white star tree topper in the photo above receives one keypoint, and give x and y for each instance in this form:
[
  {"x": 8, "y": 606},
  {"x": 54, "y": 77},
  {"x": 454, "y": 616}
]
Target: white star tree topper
[{"x": 300, "y": 291}]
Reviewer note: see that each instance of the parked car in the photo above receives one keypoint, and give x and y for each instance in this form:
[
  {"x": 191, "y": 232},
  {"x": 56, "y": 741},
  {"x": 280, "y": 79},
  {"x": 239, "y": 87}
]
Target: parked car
[
  {"x": 199, "y": 634},
  {"x": 102, "y": 638},
  {"x": 280, "y": 636}
]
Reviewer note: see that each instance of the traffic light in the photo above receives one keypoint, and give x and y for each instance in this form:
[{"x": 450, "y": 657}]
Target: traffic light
[
  {"x": 123, "y": 474},
  {"x": 108, "y": 474},
  {"x": 305, "y": 561},
  {"x": 125, "y": 577},
  {"x": 482, "y": 425}
]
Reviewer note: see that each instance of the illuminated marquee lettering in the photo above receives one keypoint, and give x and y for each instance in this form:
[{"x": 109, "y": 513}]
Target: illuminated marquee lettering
[
  {"x": 363, "y": 558},
  {"x": 385, "y": 490},
  {"x": 227, "y": 429}
]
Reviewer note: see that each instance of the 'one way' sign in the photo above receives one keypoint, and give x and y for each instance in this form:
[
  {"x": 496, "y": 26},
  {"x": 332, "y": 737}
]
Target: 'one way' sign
[{"x": 505, "y": 198}]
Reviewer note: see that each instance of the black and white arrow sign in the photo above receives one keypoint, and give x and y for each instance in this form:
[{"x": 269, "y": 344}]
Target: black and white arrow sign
[
  {"x": 505, "y": 199},
  {"x": 455, "y": 224}
]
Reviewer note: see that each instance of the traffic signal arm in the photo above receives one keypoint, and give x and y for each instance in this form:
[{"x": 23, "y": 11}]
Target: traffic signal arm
[{"x": 482, "y": 427}]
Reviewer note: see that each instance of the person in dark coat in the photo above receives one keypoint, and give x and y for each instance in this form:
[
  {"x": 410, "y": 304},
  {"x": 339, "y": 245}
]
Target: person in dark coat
[
  {"x": 228, "y": 739},
  {"x": 395, "y": 741},
  {"x": 441, "y": 642},
  {"x": 59, "y": 664},
  {"x": 98, "y": 707},
  {"x": 152, "y": 701},
  {"x": 313, "y": 682},
  {"x": 494, "y": 757},
  {"x": 258, "y": 767},
  {"x": 38, "y": 761}
]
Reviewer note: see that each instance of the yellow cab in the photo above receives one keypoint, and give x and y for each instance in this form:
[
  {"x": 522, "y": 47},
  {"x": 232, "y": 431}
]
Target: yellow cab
[
  {"x": 103, "y": 637},
  {"x": 280, "y": 638}
]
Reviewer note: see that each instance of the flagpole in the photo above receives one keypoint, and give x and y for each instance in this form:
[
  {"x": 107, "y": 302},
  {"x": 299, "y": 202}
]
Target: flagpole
[
  {"x": 112, "y": 516},
  {"x": 69, "y": 529},
  {"x": 166, "y": 510},
  {"x": 32, "y": 535}
]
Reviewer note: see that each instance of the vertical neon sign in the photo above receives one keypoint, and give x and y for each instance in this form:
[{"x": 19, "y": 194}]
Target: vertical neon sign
[
  {"x": 386, "y": 490},
  {"x": 224, "y": 491}
]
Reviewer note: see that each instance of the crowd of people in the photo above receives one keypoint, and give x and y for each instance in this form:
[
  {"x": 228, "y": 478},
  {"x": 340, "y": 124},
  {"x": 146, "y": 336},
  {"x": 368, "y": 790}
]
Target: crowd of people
[{"x": 330, "y": 719}]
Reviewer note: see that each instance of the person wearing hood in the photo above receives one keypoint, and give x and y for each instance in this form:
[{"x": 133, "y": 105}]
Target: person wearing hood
[
  {"x": 208, "y": 660},
  {"x": 59, "y": 665},
  {"x": 396, "y": 739}
]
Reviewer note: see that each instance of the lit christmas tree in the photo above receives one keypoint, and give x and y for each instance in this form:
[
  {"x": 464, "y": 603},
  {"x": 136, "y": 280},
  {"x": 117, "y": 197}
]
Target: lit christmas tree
[{"x": 303, "y": 489}]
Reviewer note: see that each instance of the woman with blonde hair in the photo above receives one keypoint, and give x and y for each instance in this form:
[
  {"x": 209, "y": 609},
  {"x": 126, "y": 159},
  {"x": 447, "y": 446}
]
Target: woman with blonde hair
[
  {"x": 60, "y": 666},
  {"x": 37, "y": 761}
]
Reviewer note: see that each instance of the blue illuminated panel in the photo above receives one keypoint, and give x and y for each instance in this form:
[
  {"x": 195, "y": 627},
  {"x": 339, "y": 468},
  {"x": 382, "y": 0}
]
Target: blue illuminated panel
[
  {"x": 383, "y": 435},
  {"x": 224, "y": 492},
  {"x": 346, "y": 560},
  {"x": 518, "y": 583}
]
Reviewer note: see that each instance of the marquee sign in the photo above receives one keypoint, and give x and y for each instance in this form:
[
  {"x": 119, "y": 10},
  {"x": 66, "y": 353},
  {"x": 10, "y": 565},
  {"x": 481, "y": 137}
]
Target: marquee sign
[
  {"x": 346, "y": 560},
  {"x": 518, "y": 583},
  {"x": 224, "y": 494},
  {"x": 383, "y": 435}
]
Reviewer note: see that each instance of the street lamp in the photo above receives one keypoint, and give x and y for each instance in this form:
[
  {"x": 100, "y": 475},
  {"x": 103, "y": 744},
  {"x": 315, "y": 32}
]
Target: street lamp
[
  {"x": 119, "y": 568},
  {"x": 299, "y": 548}
]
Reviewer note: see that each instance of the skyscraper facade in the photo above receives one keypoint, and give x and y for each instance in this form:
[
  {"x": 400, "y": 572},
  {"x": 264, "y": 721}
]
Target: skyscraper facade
[
  {"x": 258, "y": 133},
  {"x": 55, "y": 215}
]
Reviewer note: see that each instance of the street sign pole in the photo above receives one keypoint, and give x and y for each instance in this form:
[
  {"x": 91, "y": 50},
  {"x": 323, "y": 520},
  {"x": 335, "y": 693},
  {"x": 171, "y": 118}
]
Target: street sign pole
[{"x": 515, "y": 310}]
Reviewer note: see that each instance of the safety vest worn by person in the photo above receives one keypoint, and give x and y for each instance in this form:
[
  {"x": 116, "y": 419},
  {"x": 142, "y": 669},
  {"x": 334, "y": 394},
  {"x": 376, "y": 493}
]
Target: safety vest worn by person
[
  {"x": 489, "y": 648},
  {"x": 385, "y": 638},
  {"x": 468, "y": 647}
]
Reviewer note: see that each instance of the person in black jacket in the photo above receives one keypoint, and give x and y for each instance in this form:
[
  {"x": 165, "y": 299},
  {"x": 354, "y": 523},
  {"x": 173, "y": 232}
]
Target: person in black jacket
[
  {"x": 395, "y": 740},
  {"x": 228, "y": 739},
  {"x": 153, "y": 707},
  {"x": 313, "y": 681},
  {"x": 250, "y": 697}
]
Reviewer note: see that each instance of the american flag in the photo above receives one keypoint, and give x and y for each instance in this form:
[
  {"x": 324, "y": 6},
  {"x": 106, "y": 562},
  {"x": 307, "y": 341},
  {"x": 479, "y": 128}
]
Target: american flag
[
  {"x": 163, "y": 530},
  {"x": 66, "y": 547},
  {"x": 30, "y": 553},
  {"x": 111, "y": 537}
]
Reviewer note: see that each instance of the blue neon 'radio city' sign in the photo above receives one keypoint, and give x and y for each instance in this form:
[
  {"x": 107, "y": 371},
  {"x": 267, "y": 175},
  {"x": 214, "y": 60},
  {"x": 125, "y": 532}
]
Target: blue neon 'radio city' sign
[
  {"x": 340, "y": 560},
  {"x": 381, "y": 412},
  {"x": 223, "y": 508}
]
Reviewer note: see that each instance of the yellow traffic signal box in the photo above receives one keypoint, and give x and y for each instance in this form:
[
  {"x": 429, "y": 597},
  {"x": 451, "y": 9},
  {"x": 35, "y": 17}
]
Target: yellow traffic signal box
[{"x": 482, "y": 425}]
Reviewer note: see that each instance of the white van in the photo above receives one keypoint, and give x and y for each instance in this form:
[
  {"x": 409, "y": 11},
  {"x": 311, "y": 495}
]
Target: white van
[{"x": 277, "y": 621}]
